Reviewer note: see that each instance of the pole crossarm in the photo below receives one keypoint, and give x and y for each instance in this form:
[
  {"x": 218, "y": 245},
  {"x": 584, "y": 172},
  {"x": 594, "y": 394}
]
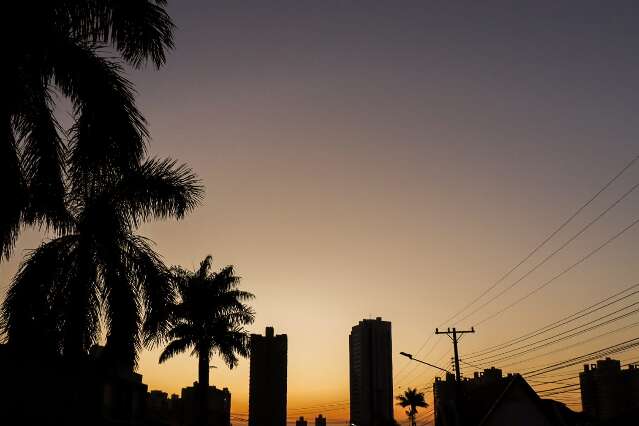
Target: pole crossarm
[{"x": 454, "y": 335}]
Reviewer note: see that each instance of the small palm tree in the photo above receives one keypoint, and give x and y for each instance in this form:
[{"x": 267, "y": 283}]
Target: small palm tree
[
  {"x": 208, "y": 319},
  {"x": 413, "y": 399}
]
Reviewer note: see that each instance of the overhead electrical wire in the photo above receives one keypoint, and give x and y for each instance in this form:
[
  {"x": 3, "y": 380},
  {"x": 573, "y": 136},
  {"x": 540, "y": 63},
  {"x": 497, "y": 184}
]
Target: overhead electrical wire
[
  {"x": 529, "y": 255},
  {"x": 609, "y": 350},
  {"x": 548, "y": 238},
  {"x": 553, "y": 253},
  {"x": 562, "y": 273},
  {"x": 566, "y": 334},
  {"x": 559, "y": 323},
  {"x": 633, "y": 325}
]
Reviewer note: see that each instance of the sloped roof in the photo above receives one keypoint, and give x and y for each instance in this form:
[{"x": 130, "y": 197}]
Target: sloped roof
[
  {"x": 483, "y": 400},
  {"x": 508, "y": 386}
]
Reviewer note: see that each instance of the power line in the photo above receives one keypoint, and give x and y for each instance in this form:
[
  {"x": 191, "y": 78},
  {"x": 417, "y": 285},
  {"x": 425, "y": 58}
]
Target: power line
[
  {"x": 548, "y": 340},
  {"x": 406, "y": 378},
  {"x": 551, "y": 382},
  {"x": 456, "y": 334},
  {"x": 575, "y": 374},
  {"x": 328, "y": 404},
  {"x": 576, "y": 344},
  {"x": 571, "y": 374},
  {"x": 571, "y": 386},
  {"x": 620, "y": 347},
  {"x": 437, "y": 362},
  {"x": 416, "y": 354},
  {"x": 559, "y": 323},
  {"x": 561, "y": 392},
  {"x": 562, "y": 273},
  {"x": 547, "y": 239},
  {"x": 553, "y": 253},
  {"x": 528, "y": 256}
]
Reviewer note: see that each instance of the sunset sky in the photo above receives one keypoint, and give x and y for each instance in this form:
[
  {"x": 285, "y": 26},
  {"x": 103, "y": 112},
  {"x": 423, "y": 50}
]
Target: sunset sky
[{"x": 394, "y": 159}]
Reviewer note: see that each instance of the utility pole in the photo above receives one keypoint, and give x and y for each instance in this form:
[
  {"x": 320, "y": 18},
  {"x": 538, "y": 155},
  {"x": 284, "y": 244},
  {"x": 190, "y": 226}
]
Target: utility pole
[{"x": 455, "y": 338}]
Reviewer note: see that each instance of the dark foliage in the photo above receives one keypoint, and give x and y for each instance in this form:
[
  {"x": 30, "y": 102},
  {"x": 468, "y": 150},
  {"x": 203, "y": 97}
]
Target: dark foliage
[
  {"x": 100, "y": 272},
  {"x": 208, "y": 319},
  {"x": 53, "y": 48}
]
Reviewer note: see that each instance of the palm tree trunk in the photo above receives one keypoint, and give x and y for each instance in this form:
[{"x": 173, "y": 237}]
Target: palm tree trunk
[{"x": 203, "y": 377}]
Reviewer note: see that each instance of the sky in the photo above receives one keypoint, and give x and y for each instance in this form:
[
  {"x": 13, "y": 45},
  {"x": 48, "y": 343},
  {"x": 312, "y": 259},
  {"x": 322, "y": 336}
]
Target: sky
[{"x": 394, "y": 159}]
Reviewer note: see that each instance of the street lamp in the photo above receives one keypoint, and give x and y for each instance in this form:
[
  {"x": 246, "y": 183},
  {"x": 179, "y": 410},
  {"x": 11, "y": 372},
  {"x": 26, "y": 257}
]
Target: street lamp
[{"x": 410, "y": 356}]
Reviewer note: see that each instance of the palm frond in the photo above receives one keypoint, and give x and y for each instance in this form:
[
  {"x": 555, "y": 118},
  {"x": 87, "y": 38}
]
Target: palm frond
[
  {"x": 14, "y": 188},
  {"x": 43, "y": 158},
  {"x": 139, "y": 29},
  {"x": 109, "y": 132},
  {"x": 30, "y": 314},
  {"x": 205, "y": 267},
  {"x": 79, "y": 301},
  {"x": 155, "y": 287},
  {"x": 174, "y": 348},
  {"x": 183, "y": 331},
  {"x": 122, "y": 306},
  {"x": 226, "y": 278},
  {"x": 231, "y": 344},
  {"x": 159, "y": 189}
]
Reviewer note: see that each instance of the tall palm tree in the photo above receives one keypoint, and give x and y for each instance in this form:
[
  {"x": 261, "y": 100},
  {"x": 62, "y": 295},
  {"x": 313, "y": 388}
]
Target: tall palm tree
[
  {"x": 100, "y": 271},
  {"x": 412, "y": 399},
  {"x": 208, "y": 319},
  {"x": 53, "y": 48}
]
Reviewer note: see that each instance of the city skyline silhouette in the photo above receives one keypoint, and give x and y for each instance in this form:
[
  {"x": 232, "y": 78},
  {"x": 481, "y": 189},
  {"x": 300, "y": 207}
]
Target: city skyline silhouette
[{"x": 366, "y": 160}]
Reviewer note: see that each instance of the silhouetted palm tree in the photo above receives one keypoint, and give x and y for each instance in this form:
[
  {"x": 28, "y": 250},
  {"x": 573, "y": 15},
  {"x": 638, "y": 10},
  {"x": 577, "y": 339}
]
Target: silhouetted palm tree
[
  {"x": 52, "y": 48},
  {"x": 412, "y": 399},
  {"x": 208, "y": 319},
  {"x": 100, "y": 271}
]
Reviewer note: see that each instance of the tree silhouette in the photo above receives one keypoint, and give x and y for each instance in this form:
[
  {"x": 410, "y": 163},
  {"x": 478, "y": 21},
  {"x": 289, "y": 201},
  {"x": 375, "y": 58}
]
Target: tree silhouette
[
  {"x": 100, "y": 269},
  {"x": 208, "y": 319},
  {"x": 412, "y": 399},
  {"x": 53, "y": 48}
]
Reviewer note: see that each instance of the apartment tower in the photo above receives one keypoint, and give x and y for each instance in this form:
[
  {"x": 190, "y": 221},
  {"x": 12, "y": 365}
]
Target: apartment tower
[
  {"x": 371, "y": 373},
  {"x": 267, "y": 385}
]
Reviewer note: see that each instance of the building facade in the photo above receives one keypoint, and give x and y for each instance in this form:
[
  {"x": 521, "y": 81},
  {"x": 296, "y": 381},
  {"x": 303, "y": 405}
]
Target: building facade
[
  {"x": 608, "y": 393},
  {"x": 218, "y": 405},
  {"x": 371, "y": 373},
  {"x": 491, "y": 399},
  {"x": 267, "y": 385}
]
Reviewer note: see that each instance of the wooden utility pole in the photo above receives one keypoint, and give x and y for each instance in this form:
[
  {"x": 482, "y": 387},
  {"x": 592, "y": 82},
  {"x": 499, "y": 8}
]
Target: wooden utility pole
[{"x": 454, "y": 335}]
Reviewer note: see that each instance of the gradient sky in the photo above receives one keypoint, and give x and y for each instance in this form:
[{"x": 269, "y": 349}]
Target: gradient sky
[{"x": 368, "y": 158}]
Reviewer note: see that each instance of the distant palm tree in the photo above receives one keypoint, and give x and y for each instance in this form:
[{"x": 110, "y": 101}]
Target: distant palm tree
[
  {"x": 412, "y": 399},
  {"x": 52, "y": 48},
  {"x": 100, "y": 272},
  {"x": 208, "y": 319}
]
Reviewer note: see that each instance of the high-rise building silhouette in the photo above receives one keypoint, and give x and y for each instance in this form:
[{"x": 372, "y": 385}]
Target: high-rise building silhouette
[
  {"x": 267, "y": 386},
  {"x": 320, "y": 420},
  {"x": 610, "y": 394},
  {"x": 301, "y": 422},
  {"x": 371, "y": 373}
]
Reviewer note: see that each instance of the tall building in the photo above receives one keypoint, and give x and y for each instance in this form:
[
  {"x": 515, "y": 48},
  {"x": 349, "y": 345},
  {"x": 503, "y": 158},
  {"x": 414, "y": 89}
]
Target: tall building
[
  {"x": 320, "y": 420},
  {"x": 301, "y": 422},
  {"x": 371, "y": 373},
  {"x": 267, "y": 386},
  {"x": 608, "y": 393}
]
